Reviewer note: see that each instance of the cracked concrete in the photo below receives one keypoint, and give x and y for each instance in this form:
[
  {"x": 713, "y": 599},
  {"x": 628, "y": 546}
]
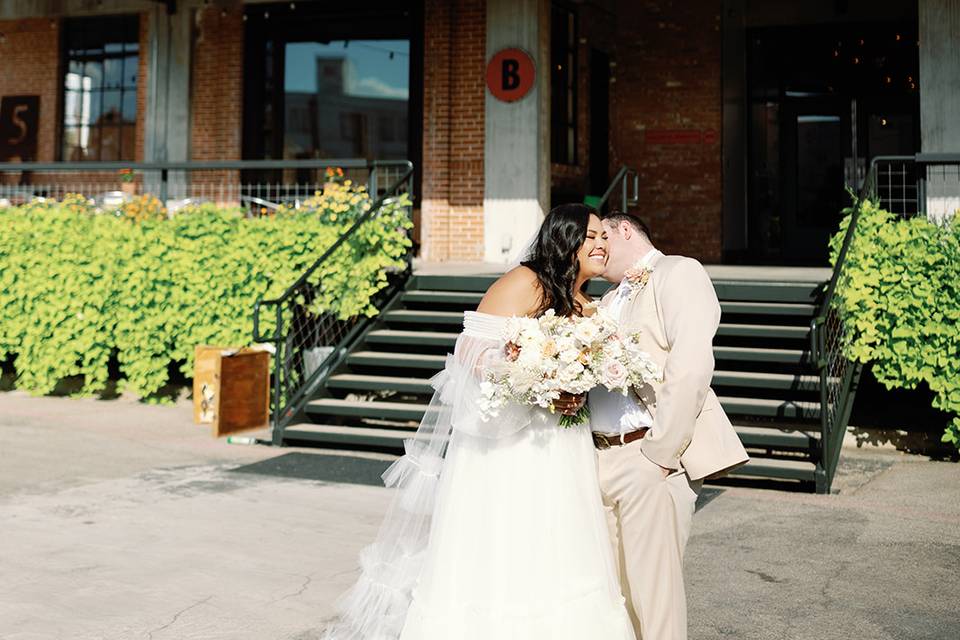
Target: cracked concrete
[{"x": 122, "y": 521}]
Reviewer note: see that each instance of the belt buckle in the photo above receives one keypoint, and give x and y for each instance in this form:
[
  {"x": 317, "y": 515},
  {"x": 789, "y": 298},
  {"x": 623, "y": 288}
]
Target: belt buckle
[{"x": 601, "y": 441}]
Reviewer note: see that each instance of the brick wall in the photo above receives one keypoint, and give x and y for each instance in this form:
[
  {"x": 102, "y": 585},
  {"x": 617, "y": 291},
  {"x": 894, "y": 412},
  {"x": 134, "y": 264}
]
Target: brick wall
[
  {"x": 453, "y": 129},
  {"x": 142, "y": 85},
  {"x": 216, "y": 101},
  {"x": 668, "y": 78},
  {"x": 29, "y": 65}
]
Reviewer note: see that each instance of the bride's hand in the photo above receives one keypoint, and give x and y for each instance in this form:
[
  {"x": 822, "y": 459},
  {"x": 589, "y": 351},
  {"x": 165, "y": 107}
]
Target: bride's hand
[{"x": 569, "y": 404}]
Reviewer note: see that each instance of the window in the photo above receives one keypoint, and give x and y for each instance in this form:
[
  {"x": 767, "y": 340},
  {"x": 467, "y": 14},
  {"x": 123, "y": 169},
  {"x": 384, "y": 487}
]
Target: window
[
  {"x": 101, "y": 57},
  {"x": 362, "y": 84},
  {"x": 563, "y": 85}
]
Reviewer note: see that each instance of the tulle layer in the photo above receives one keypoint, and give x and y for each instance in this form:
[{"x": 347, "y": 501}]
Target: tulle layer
[{"x": 591, "y": 616}]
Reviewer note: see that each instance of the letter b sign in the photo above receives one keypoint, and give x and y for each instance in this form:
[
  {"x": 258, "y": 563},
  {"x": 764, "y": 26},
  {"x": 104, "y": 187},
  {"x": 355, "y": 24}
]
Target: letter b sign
[{"x": 510, "y": 74}]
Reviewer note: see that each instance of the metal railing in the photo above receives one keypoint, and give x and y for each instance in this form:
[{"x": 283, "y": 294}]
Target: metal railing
[
  {"x": 922, "y": 184},
  {"x": 257, "y": 185},
  {"x": 623, "y": 192},
  {"x": 309, "y": 345}
]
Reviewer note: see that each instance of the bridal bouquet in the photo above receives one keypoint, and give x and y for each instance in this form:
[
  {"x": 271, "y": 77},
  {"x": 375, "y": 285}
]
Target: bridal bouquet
[{"x": 546, "y": 356}]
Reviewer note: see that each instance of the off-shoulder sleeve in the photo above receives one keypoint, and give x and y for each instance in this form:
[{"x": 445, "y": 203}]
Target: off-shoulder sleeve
[{"x": 478, "y": 347}]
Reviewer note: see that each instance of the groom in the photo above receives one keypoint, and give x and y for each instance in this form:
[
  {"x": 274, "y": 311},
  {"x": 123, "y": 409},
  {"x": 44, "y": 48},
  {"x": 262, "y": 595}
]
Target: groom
[{"x": 656, "y": 446}]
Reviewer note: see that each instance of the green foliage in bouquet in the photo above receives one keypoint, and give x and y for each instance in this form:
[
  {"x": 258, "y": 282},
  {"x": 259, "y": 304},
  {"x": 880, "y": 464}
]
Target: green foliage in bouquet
[
  {"x": 900, "y": 303},
  {"x": 78, "y": 285}
]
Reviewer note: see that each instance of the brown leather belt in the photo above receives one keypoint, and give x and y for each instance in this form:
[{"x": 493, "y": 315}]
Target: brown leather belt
[{"x": 606, "y": 440}]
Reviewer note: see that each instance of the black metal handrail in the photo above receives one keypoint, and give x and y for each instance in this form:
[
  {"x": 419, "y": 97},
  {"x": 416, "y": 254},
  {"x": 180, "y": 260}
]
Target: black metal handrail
[
  {"x": 622, "y": 180},
  {"x": 294, "y": 377}
]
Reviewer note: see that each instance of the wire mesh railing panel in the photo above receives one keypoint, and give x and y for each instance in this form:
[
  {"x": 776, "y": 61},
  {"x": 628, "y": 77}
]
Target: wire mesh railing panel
[
  {"x": 895, "y": 187},
  {"x": 257, "y": 186}
]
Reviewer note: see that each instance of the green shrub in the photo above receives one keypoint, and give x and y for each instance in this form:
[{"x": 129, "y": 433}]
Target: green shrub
[
  {"x": 77, "y": 286},
  {"x": 900, "y": 303}
]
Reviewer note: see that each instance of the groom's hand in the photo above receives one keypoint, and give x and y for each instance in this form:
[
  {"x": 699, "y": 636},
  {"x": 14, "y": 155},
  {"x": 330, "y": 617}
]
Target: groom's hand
[{"x": 568, "y": 404}]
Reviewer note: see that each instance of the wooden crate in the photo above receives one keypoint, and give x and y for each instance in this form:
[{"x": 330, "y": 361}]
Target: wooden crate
[{"x": 231, "y": 389}]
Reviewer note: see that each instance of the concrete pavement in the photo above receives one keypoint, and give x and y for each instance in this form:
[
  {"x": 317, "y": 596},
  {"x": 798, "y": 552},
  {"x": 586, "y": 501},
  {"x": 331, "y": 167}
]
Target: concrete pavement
[{"x": 120, "y": 520}]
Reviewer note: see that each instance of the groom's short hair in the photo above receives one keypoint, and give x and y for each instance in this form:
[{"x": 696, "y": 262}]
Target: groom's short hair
[{"x": 616, "y": 217}]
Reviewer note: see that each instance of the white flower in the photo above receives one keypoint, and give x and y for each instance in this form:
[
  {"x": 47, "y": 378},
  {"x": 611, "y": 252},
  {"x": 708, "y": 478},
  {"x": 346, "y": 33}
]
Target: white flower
[{"x": 586, "y": 332}]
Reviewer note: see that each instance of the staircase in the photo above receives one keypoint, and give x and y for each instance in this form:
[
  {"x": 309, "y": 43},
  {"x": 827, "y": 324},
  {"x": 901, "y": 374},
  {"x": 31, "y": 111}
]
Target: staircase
[{"x": 764, "y": 375}]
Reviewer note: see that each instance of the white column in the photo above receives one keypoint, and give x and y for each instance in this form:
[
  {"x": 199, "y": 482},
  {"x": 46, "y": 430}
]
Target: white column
[
  {"x": 167, "y": 118},
  {"x": 517, "y": 134},
  {"x": 940, "y": 99}
]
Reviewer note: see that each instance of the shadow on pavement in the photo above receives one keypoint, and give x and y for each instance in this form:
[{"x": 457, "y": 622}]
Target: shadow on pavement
[{"x": 324, "y": 468}]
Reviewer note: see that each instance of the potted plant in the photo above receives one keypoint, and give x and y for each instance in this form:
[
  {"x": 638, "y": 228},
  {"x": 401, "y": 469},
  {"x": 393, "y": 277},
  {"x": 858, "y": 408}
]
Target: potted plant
[{"x": 127, "y": 183}]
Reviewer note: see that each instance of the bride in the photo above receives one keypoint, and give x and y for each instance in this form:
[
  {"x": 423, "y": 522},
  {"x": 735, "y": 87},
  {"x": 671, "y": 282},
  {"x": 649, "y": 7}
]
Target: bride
[{"x": 497, "y": 529}]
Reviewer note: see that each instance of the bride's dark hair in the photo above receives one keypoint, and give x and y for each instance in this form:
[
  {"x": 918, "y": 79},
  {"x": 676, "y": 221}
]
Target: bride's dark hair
[{"x": 554, "y": 257}]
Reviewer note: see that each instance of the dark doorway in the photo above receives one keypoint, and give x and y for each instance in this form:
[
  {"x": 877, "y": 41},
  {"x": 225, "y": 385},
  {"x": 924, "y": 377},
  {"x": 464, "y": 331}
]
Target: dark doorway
[
  {"x": 822, "y": 101},
  {"x": 327, "y": 81},
  {"x": 599, "y": 121}
]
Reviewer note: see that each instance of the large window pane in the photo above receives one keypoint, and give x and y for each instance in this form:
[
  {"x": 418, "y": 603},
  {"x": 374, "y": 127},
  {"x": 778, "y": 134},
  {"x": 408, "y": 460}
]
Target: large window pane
[
  {"x": 100, "y": 87},
  {"x": 346, "y": 98}
]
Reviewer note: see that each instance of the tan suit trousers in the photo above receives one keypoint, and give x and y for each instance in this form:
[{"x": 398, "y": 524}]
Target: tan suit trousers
[{"x": 649, "y": 516}]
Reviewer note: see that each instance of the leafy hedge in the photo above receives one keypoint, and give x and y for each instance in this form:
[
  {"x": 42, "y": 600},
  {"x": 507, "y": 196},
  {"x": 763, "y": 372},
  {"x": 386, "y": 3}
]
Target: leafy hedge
[
  {"x": 901, "y": 303},
  {"x": 78, "y": 285}
]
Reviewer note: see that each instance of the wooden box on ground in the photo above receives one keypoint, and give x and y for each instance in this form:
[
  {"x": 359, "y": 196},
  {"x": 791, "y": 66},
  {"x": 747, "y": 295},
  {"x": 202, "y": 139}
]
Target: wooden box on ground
[{"x": 231, "y": 389}]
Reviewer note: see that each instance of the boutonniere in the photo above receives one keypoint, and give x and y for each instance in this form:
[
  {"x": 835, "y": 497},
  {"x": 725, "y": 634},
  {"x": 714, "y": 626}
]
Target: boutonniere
[{"x": 638, "y": 276}]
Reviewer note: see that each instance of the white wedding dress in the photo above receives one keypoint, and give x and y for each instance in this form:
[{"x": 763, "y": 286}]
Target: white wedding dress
[{"x": 501, "y": 538}]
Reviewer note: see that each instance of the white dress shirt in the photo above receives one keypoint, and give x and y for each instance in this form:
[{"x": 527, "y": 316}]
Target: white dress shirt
[{"x": 615, "y": 413}]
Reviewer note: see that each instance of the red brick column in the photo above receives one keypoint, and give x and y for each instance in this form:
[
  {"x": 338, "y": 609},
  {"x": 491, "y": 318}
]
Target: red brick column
[
  {"x": 29, "y": 65},
  {"x": 666, "y": 119},
  {"x": 216, "y": 103},
  {"x": 453, "y": 129}
]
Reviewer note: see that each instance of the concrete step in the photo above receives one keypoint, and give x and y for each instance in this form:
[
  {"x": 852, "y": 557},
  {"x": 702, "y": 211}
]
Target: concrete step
[
  {"x": 406, "y": 316},
  {"x": 753, "y": 354},
  {"x": 396, "y": 360},
  {"x": 376, "y": 409},
  {"x": 764, "y": 331},
  {"x": 426, "y": 338},
  {"x": 355, "y": 382},
  {"x": 455, "y": 319},
  {"x": 365, "y": 409},
  {"x": 436, "y": 362},
  {"x": 356, "y": 436},
  {"x": 777, "y": 469},
  {"x": 763, "y": 380},
  {"x": 767, "y": 291},
  {"x": 800, "y": 310},
  {"x": 771, "y": 408},
  {"x": 394, "y": 437},
  {"x": 443, "y": 297},
  {"x": 775, "y": 438}
]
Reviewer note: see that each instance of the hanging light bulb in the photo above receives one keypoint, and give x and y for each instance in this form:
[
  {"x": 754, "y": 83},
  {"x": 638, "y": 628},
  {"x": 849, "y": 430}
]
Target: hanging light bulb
[
  {"x": 391, "y": 55},
  {"x": 266, "y": 15},
  {"x": 293, "y": 6}
]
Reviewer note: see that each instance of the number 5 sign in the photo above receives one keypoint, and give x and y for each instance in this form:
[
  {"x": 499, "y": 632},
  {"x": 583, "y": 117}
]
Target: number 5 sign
[{"x": 510, "y": 74}]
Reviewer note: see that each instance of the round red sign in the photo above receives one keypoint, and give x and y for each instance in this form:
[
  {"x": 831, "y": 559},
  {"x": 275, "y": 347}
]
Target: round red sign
[{"x": 510, "y": 74}]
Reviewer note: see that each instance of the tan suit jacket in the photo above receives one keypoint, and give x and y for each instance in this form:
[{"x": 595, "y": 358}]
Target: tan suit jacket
[{"x": 677, "y": 314}]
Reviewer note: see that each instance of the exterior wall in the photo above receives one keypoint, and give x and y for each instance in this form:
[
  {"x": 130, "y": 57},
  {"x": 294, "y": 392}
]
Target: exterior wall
[
  {"x": 216, "y": 91},
  {"x": 29, "y": 65},
  {"x": 142, "y": 85},
  {"x": 453, "y": 129},
  {"x": 668, "y": 79},
  {"x": 216, "y": 102}
]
